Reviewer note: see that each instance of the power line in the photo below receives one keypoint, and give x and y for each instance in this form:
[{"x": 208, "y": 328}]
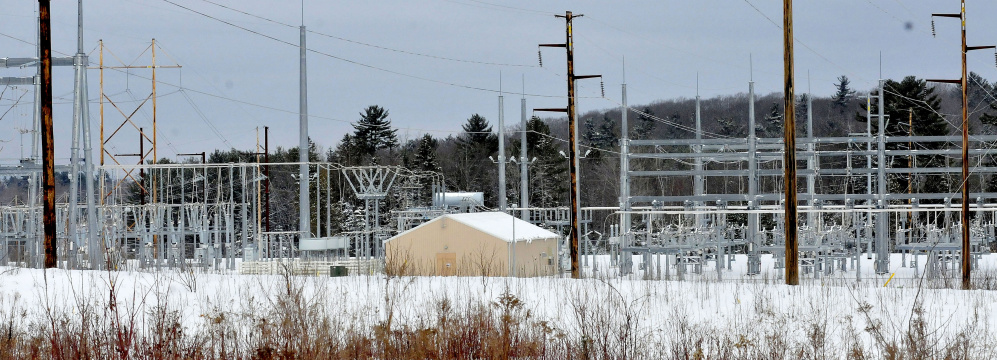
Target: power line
[
  {"x": 797, "y": 40},
  {"x": 205, "y": 119},
  {"x": 368, "y": 44},
  {"x": 488, "y": 5},
  {"x": 354, "y": 62}
]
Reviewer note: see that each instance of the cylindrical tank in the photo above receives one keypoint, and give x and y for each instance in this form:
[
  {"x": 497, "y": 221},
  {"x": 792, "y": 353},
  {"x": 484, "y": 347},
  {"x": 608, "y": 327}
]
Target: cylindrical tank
[{"x": 462, "y": 198}]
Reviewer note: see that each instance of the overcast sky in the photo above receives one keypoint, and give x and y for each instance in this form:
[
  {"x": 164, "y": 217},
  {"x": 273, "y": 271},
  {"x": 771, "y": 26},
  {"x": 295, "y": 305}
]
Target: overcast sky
[{"x": 433, "y": 63}]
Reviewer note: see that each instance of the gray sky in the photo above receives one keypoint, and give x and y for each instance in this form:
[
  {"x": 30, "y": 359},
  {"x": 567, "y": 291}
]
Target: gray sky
[{"x": 237, "y": 79}]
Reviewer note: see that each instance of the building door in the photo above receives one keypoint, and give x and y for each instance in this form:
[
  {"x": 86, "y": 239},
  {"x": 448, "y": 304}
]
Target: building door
[{"x": 446, "y": 264}]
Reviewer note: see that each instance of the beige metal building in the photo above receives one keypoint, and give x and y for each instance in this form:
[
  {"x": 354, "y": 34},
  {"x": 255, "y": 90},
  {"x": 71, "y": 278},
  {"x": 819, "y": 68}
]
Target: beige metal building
[{"x": 473, "y": 244}]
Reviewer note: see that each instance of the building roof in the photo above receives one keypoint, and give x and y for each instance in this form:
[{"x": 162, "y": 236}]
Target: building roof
[{"x": 498, "y": 224}]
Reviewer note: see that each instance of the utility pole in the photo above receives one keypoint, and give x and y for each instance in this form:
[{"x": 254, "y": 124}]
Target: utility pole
[
  {"x": 501, "y": 149},
  {"x": 789, "y": 153},
  {"x": 572, "y": 134},
  {"x": 524, "y": 162},
  {"x": 882, "y": 218},
  {"x": 304, "y": 203},
  {"x": 48, "y": 155},
  {"x": 625, "y": 216},
  {"x": 963, "y": 82},
  {"x": 266, "y": 169},
  {"x": 698, "y": 180}
]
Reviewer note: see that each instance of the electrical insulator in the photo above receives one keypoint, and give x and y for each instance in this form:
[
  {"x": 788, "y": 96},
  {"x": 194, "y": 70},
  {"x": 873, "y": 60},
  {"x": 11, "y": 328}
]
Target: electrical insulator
[
  {"x": 602, "y": 88},
  {"x": 995, "y": 58},
  {"x": 540, "y": 57},
  {"x": 932, "y": 27}
]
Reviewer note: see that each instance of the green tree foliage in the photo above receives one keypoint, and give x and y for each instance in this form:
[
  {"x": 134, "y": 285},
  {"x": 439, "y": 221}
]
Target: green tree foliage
[
  {"x": 844, "y": 93},
  {"x": 548, "y": 177},
  {"x": 645, "y": 125},
  {"x": 475, "y": 171},
  {"x": 910, "y": 96},
  {"x": 600, "y": 137},
  {"x": 728, "y": 127},
  {"x": 912, "y": 101},
  {"x": 478, "y": 134},
  {"x": 771, "y": 125},
  {"x": 425, "y": 154},
  {"x": 373, "y": 131}
]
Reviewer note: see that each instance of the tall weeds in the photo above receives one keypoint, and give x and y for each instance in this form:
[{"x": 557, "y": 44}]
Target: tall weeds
[{"x": 108, "y": 315}]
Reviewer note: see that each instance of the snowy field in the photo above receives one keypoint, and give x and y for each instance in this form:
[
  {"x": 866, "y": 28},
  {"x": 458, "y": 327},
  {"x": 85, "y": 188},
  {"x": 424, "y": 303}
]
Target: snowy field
[{"x": 740, "y": 316}]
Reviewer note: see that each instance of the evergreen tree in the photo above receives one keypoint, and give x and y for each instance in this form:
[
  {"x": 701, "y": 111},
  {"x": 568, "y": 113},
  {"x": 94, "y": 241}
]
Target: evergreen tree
[
  {"x": 910, "y": 96},
  {"x": 728, "y": 127},
  {"x": 548, "y": 177},
  {"x": 802, "y": 105},
  {"x": 912, "y": 100},
  {"x": 478, "y": 133},
  {"x": 425, "y": 155},
  {"x": 347, "y": 152},
  {"x": 771, "y": 125},
  {"x": 475, "y": 170},
  {"x": 607, "y": 133},
  {"x": 373, "y": 131},
  {"x": 844, "y": 93},
  {"x": 590, "y": 135},
  {"x": 645, "y": 124},
  {"x": 978, "y": 93},
  {"x": 600, "y": 137}
]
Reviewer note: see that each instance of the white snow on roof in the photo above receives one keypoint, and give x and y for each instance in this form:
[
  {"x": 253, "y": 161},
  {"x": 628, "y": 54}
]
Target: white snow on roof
[{"x": 502, "y": 226}]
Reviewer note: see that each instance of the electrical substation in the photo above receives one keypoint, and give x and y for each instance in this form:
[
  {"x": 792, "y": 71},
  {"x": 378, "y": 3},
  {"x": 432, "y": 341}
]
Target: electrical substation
[{"x": 125, "y": 211}]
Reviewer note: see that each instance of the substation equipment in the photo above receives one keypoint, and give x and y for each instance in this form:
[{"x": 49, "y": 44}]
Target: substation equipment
[{"x": 865, "y": 196}]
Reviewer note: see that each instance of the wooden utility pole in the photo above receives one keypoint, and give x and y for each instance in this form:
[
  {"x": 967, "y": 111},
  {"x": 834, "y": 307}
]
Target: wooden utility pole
[
  {"x": 789, "y": 153},
  {"x": 963, "y": 82},
  {"x": 48, "y": 154},
  {"x": 572, "y": 141}
]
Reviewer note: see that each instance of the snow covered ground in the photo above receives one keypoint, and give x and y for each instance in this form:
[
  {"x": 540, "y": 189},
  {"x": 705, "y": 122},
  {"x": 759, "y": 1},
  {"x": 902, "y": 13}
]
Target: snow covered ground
[{"x": 832, "y": 314}]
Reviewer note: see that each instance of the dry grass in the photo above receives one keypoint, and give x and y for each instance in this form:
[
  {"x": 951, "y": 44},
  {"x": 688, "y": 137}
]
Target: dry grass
[{"x": 296, "y": 318}]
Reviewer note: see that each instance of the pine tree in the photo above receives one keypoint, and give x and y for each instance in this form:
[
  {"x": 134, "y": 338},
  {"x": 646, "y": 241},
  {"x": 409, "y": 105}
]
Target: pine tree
[
  {"x": 912, "y": 99},
  {"x": 979, "y": 90},
  {"x": 607, "y": 133},
  {"x": 771, "y": 125},
  {"x": 478, "y": 133},
  {"x": 802, "y": 105},
  {"x": 474, "y": 146},
  {"x": 373, "y": 131},
  {"x": 645, "y": 124},
  {"x": 548, "y": 177},
  {"x": 909, "y": 96},
  {"x": 425, "y": 155},
  {"x": 844, "y": 93},
  {"x": 728, "y": 127},
  {"x": 590, "y": 135}
]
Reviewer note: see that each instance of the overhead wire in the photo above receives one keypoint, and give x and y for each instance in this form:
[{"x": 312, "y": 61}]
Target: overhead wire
[
  {"x": 354, "y": 62},
  {"x": 797, "y": 40},
  {"x": 493, "y": 6},
  {"x": 205, "y": 119},
  {"x": 365, "y": 43}
]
